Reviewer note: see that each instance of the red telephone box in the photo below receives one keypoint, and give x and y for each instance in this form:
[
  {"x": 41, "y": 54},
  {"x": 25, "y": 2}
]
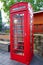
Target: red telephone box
[{"x": 21, "y": 35}]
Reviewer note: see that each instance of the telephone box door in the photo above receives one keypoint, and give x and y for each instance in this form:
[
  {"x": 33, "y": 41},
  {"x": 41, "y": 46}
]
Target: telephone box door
[{"x": 18, "y": 31}]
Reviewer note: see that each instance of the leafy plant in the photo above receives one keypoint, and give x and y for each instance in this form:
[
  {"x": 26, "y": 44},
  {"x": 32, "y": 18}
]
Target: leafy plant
[{"x": 7, "y": 3}]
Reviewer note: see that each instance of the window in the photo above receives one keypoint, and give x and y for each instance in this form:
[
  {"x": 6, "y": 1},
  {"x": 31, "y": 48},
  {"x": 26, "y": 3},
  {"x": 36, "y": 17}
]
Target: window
[{"x": 18, "y": 20}]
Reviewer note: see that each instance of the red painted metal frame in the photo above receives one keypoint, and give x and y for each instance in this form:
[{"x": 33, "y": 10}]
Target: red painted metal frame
[{"x": 28, "y": 52}]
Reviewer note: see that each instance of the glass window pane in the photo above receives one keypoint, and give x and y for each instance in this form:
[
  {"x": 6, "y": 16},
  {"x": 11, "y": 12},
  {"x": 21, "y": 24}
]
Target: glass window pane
[{"x": 18, "y": 20}]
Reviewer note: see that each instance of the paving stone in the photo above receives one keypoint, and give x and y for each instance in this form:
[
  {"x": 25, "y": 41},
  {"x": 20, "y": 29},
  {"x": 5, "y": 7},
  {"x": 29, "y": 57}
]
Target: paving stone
[{"x": 5, "y": 59}]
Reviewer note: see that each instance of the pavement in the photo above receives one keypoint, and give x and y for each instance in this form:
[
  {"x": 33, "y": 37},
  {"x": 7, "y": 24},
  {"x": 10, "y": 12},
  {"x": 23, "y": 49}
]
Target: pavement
[{"x": 5, "y": 59}]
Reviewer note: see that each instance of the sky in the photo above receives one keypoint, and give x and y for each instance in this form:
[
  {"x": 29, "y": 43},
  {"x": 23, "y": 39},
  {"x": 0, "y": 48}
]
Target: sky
[
  {"x": 4, "y": 19},
  {"x": 3, "y": 14}
]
